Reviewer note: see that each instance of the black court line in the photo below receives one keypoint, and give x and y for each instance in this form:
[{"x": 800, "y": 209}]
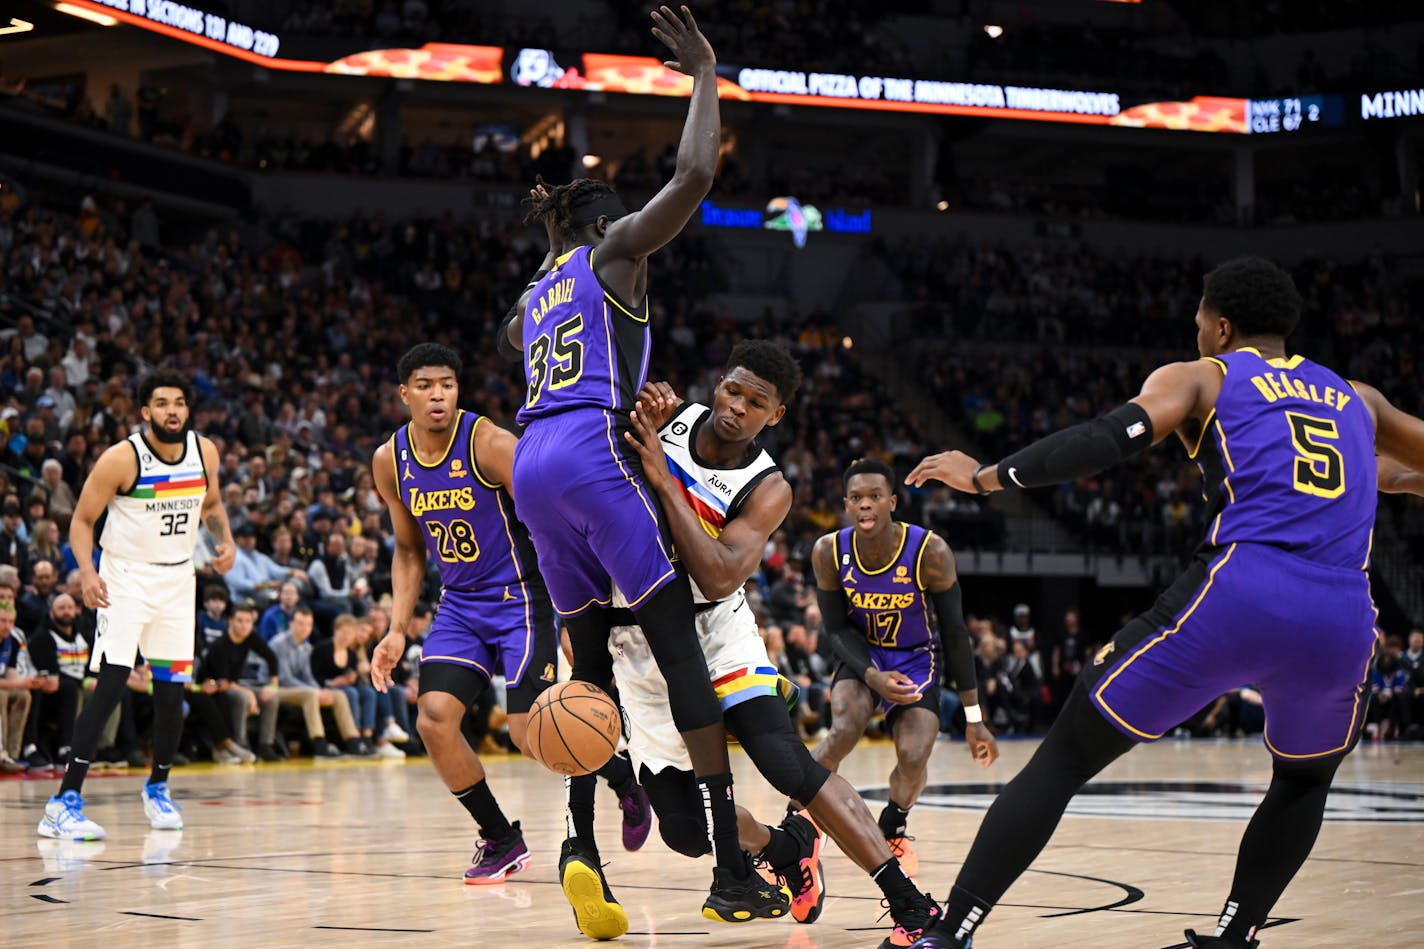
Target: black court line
[
  {"x": 1131, "y": 894},
  {"x": 373, "y": 929},
  {"x": 1231, "y": 854},
  {"x": 1284, "y": 921},
  {"x": 186, "y": 919},
  {"x": 45, "y": 882},
  {"x": 47, "y": 898}
]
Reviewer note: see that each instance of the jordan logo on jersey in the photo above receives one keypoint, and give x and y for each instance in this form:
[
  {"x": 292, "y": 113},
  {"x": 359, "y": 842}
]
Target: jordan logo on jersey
[{"x": 408, "y": 476}]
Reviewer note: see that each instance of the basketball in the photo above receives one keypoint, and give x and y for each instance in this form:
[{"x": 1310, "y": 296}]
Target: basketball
[{"x": 574, "y": 728}]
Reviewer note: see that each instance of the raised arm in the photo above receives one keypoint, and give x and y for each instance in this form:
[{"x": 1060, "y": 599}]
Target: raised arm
[
  {"x": 1171, "y": 397},
  {"x": 1399, "y": 438},
  {"x": 115, "y": 471},
  {"x": 637, "y": 235},
  {"x": 407, "y": 569},
  {"x": 939, "y": 578}
]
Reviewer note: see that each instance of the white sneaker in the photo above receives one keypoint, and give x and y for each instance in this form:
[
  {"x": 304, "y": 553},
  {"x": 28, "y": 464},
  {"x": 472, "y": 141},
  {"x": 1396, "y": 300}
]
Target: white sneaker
[
  {"x": 395, "y": 733},
  {"x": 222, "y": 755},
  {"x": 64, "y": 819},
  {"x": 159, "y": 808},
  {"x": 387, "y": 750}
]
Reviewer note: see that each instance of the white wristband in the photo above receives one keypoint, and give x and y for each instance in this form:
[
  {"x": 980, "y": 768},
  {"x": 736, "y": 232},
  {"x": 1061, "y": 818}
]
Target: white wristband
[{"x": 973, "y": 715}]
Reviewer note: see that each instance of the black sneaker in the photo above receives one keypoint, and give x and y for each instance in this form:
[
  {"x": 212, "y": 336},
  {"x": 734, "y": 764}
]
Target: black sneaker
[
  {"x": 914, "y": 924},
  {"x": 38, "y": 761},
  {"x": 360, "y": 748},
  {"x": 268, "y": 753},
  {"x": 1215, "y": 942},
  {"x": 321, "y": 748},
  {"x": 741, "y": 901},
  {"x": 597, "y": 913}
]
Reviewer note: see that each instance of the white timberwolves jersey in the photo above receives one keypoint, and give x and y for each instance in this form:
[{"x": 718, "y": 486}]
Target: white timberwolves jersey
[
  {"x": 716, "y": 495},
  {"x": 156, "y": 521}
]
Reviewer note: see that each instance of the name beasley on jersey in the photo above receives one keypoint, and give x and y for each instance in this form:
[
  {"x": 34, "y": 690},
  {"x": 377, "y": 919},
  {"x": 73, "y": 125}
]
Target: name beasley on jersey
[
  {"x": 882, "y": 601},
  {"x": 561, "y": 292},
  {"x": 422, "y": 502},
  {"x": 1277, "y": 385}
]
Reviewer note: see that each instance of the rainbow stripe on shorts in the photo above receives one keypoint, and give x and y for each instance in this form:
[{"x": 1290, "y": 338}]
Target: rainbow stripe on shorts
[
  {"x": 171, "y": 670},
  {"x": 749, "y": 682}
]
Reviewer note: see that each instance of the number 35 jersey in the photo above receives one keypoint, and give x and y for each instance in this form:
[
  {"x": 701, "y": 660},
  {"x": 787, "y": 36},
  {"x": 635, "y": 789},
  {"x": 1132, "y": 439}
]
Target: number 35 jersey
[
  {"x": 583, "y": 347},
  {"x": 468, "y": 521},
  {"x": 1288, "y": 460}
]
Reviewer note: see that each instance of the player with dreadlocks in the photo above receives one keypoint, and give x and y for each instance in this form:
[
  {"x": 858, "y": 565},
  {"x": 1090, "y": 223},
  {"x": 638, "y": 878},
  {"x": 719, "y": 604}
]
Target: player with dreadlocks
[{"x": 583, "y": 329}]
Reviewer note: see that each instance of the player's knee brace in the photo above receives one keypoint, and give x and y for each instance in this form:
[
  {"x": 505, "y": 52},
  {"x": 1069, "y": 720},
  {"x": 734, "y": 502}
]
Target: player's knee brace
[
  {"x": 685, "y": 834},
  {"x": 764, "y": 729}
]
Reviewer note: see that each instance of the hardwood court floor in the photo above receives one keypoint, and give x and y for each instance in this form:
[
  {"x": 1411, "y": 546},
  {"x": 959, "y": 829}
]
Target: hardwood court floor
[{"x": 364, "y": 854}]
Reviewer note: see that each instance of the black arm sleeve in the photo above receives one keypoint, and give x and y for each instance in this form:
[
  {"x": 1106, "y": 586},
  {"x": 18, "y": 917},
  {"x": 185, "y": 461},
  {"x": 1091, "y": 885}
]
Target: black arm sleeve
[
  {"x": 1081, "y": 450},
  {"x": 954, "y": 638},
  {"x": 847, "y": 642}
]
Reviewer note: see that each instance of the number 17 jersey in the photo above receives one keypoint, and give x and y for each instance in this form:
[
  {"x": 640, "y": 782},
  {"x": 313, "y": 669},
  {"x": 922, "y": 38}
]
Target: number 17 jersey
[
  {"x": 1288, "y": 460},
  {"x": 468, "y": 521}
]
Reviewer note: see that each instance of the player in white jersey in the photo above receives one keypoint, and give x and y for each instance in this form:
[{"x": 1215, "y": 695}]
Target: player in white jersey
[
  {"x": 157, "y": 487},
  {"x": 723, "y": 496}
]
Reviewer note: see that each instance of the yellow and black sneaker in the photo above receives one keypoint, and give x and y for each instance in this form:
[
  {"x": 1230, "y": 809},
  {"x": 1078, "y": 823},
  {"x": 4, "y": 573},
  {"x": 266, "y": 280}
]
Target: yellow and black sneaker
[
  {"x": 741, "y": 901},
  {"x": 1212, "y": 942},
  {"x": 598, "y": 914}
]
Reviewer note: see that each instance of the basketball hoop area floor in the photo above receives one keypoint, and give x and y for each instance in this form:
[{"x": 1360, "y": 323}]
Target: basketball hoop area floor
[{"x": 371, "y": 854}]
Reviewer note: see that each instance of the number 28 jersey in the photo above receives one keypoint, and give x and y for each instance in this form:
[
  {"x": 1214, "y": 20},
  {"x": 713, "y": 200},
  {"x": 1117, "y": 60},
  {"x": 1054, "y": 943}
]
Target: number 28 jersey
[
  {"x": 583, "y": 347},
  {"x": 468, "y": 521},
  {"x": 1288, "y": 460},
  {"x": 156, "y": 519}
]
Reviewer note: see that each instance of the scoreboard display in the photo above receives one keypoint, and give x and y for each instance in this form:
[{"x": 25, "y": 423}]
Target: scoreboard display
[{"x": 1293, "y": 113}]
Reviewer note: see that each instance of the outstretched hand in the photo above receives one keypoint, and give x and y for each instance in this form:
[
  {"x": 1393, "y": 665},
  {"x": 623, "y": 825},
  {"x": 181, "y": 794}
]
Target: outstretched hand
[
  {"x": 681, "y": 35},
  {"x": 954, "y": 468}
]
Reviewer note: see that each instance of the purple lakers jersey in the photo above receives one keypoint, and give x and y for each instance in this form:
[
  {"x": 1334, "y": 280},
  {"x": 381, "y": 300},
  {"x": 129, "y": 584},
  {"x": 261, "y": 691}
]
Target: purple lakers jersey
[
  {"x": 583, "y": 347},
  {"x": 468, "y": 521},
  {"x": 1288, "y": 459},
  {"x": 887, "y": 605}
]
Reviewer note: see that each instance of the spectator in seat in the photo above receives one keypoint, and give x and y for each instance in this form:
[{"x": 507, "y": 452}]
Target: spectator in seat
[
  {"x": 60, "y": 650},
  {"x": 296, "y": 686},
  {"x": 15, "y": 690},
  {"x": 278, "y": 617},
  {"x": 336, "y": 664}
]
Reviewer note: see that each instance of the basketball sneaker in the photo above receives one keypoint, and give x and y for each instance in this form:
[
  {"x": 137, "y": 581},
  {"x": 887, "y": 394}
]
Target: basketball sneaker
[
  {"x": 901, "y": 849},
  {"x": 741, "y": 901},
  {"x": 597, "y": 913},
  {"x": 495, "y": 860},
  {"x": 1215, "y": 942},
  {"x": 159, "y": 808},
  {"x": 637, "y": 818},
  {"x": 913, "y": 925},
  {"x": 805, "y": 878},
  {"x": 939, "y": 938},
  {"x": 64, "y": 819}
]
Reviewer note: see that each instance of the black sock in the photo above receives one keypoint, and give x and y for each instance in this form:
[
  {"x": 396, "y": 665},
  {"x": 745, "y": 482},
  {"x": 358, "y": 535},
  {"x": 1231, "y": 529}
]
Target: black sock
[
  {"x": 167, "y": 728},
  {"x": 485, "y": 810},
  {"x": 578, "y": 816},
  {"x": 721, "y": 812},
  {"x": 893, "y": 820},
  {"x": 891, "y": 879},
  {"x": 1233, "y": 927},
  {"x": 618, "y": 772},
  {"x": 964, "y": 913},
  {"x": 782, "y": 850},
  {"x": 108, "y": 692}
]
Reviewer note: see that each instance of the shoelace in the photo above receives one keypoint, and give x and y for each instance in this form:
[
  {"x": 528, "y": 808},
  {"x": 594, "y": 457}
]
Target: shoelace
[{"x": 910, "y": 910}]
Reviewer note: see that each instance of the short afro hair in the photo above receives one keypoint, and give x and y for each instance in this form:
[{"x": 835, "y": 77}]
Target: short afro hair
[
  {"x": 767, "y": 360},
  {"x": 1259, "y": 298},
  {"x": 163, "y": 379},
  {"x": 427, "y": 354},
  {"x": 870, "y": 466}
]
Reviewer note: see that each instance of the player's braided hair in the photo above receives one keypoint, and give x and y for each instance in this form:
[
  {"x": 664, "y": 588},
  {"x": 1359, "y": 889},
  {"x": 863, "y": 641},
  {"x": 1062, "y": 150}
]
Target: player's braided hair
[{"x": 561, "y": 200}]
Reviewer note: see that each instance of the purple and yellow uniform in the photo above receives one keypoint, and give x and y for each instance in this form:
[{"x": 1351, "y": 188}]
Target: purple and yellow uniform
[
  {"x": 494, "y": 615},
  {"x": 1279, "y": 594},
  {"x": 890, "y": 608},
  {"x": 578, "y": 485}
]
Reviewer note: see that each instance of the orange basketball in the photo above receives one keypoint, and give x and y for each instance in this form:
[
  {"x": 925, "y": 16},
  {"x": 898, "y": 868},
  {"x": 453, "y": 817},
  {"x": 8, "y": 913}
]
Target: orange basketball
[{"x": 574, "y": 728}]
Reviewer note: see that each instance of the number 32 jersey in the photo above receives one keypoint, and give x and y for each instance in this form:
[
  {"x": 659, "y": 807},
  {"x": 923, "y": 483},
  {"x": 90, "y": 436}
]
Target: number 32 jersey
[
  {"x": 583, "y": 346},
  {"x": 1288, "y": 460},
  {"x": 156, "y": 520},
  {"x": 468, "y": 521}
]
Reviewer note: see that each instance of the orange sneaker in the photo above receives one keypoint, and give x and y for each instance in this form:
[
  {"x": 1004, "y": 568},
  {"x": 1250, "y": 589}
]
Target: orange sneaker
[{"x": 807, "y": 879}]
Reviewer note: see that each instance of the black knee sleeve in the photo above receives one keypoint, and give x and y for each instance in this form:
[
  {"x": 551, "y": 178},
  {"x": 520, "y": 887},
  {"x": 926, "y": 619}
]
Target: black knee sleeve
[
  {"x": 676, "y": 800},
  {"x": 763, "y": 728},
  {"x": 668, "y": 624}
]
